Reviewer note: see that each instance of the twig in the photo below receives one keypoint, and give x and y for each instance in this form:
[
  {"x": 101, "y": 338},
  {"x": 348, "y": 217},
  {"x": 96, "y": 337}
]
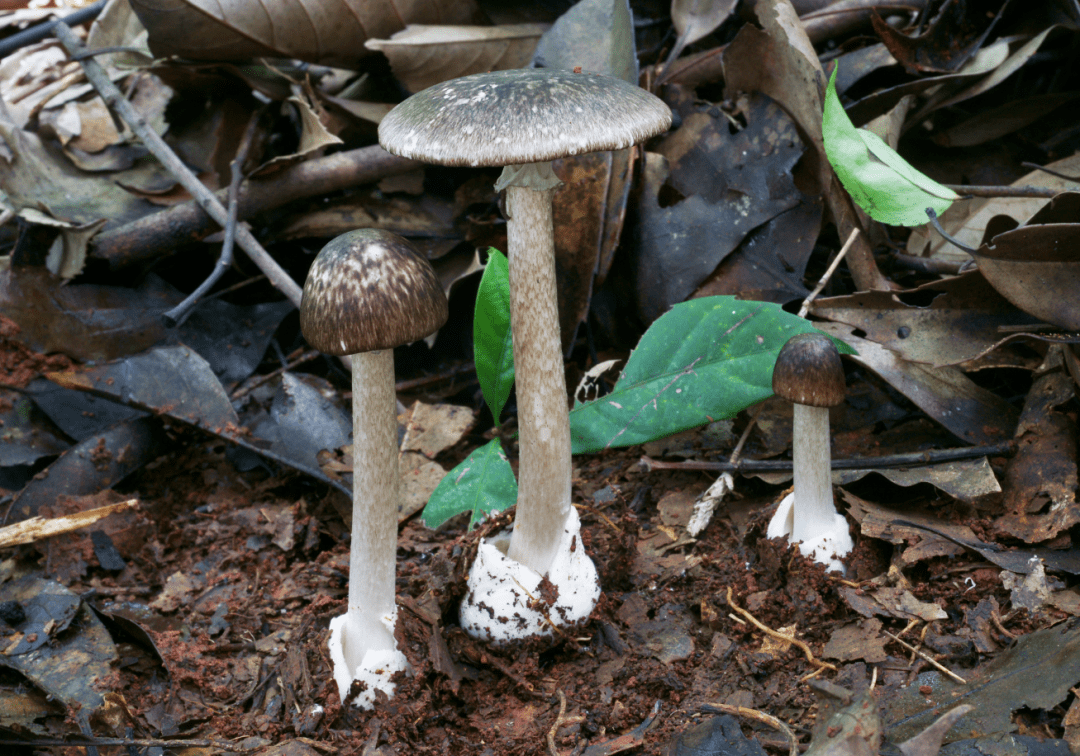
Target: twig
[
  {"x": 778, "y": 636},
  {"x": 304, "y": 357},
  {"x": 559, "y": 722},
  {"x": 1044, "y": 169},
  {"x": 160, "y": 233},
  {"x": 426, "y": 380},
  {"x": 155, "y": 144},
  {"x": 760, "y": 716},
  {"x": 910, "y": 459},
  {"x": 40, "y": 31},
  {"x": 944, "y": 235},
  {"x": 176, "y": 315},
  {"x": 925, "y": 264},
  {"x": 1004, "y": 191},
  {"x": 927, "y": 658},
  {"x": 1001, "y": 628},
  {"x": 148, "y": 742},
  {"x": 828, "y": 273},
  {"x": 706, "y": 505}
]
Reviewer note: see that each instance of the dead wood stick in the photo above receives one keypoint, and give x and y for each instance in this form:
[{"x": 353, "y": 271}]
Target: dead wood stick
[
  {"x": 760, "y": 716},
  {"x": 39, "y": 528},
  {"x": 1004, "y": 191},
  {"x": 778, "y": 636},
  {"x": 927, "y": 658},
  {"x": 115, "y": 99},
  {"x": 161, "y": 233},
  {"x": 911, "y": 459}
]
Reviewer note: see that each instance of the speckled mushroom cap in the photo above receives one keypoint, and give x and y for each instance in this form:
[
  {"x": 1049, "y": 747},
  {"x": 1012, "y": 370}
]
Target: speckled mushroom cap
[
  {"x": 808, "y": 371},
  {"x": 521, "y": 116},
  {"x": 370, "y": 289}
]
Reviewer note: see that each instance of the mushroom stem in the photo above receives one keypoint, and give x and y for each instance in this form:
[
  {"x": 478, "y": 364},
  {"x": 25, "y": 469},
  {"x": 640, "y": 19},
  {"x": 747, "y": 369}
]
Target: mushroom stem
[
  {"x": 375, "y": 505},
  {"x": 543, "y": 503},
  {"x": 812, "y": 469}
]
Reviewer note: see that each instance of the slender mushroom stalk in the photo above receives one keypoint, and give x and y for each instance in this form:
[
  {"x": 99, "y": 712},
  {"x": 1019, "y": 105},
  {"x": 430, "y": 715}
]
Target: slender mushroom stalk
[
  {"x": 367, "y": 292},
  {"x": 808, "y": 372},
  {"x": 523, "y": 119}
]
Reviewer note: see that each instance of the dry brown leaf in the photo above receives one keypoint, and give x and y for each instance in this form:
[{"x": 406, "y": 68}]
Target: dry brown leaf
[
  {"x": 422, "y": 56},
  {"x": 331, "y": 32}
]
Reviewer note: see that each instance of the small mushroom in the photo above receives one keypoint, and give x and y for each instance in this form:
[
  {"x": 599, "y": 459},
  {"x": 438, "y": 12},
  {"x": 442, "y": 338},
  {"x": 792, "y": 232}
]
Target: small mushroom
[
  {"x": 367, "y": 292},
  {"x": 523, "y": 119},
  {"x": 808, "y": 372}
]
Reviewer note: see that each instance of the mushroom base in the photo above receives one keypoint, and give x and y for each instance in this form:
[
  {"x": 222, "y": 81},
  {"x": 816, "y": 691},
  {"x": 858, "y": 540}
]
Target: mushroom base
[
  {"x": 508, "y": 601},
  {"x": 827, "y": 545},
  {"x": 379, "y": 662}
]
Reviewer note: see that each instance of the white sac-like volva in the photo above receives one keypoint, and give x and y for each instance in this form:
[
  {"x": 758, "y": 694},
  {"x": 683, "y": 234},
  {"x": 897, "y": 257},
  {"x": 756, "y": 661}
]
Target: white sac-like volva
[
  {"x": 375, "y": 670},
  {"x": 825, "y": 539},
  {"x": 506, "y": 601}
]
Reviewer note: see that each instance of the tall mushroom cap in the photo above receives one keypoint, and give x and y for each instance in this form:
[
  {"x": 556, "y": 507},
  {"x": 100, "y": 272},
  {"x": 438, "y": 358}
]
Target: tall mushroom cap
[
  {"x": 521, "y": 116},
  {"x": 808, "y": 371},
  {"x": 370, "y": 289}
]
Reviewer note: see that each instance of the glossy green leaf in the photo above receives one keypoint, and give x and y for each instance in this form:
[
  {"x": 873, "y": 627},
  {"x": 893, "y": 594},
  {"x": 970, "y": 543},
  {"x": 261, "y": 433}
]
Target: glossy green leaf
[
  {"x": 880, "y": 181},
  {"x": 704, "y": 360},
  {"x": 483, "y": 483},
  {"x": 492, "y": 346}
]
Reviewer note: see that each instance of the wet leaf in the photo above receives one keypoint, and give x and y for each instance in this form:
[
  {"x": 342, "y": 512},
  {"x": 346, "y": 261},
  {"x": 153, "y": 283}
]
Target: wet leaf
[
  {"x": 1037, "y": 266},
  {"x": 231, "y": 338},
  {"x": 1035, "y": 673},
  {"x": 705, "y": 360},
  {"x": 84, "y": 321},
  {"x": 74, "y": 667},
  {"x": 422, "y": 56},
  {"x": 483, "y": 483},
  {"x": 26, "y": 433},
  {"x": 693, "y": 19},
  {"x": 968, "y": 411},
  {"x": 331, "y": 32},
  {"x": 880, "y": 181},
  {"x": 597, "y": 35},
  {"x": 96, "y": 463},
  {"x": 493, "y": 349}
]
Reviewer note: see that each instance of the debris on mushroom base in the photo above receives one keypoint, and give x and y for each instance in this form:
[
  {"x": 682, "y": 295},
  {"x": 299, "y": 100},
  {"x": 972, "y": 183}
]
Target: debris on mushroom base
[
  {"x": 508, "y": 601},
  {"x": 832, "y": 540},
  {"x": 374, "y": 670}
]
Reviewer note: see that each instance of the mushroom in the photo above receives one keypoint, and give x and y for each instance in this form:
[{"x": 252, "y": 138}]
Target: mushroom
[
  {"x": 808, "y": 372},
  {"x": 523, "y": 119},
  {"x": 367, "y": 292}
]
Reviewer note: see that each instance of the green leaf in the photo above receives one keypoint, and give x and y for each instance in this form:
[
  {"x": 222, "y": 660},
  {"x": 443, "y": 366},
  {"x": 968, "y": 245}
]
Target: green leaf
[
  {"x": 483, "y": 483},
  {"x": 880, "y": 181},
  {"x": 704, "y": 360},
  {"x": 493, "y": 349}
]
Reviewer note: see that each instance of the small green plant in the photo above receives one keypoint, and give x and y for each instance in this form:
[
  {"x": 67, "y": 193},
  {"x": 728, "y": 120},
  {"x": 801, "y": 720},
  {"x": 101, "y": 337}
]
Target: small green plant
[
  {"x": 704, "y": 360},
  {"x": 881, "y": 182}
]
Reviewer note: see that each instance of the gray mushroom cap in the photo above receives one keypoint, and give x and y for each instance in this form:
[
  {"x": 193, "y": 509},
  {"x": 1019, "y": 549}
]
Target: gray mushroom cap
[
  {"x": 808, "y": 371},
  {"x": 370, "y": 289},
  {"x": 521, "y": 116}
]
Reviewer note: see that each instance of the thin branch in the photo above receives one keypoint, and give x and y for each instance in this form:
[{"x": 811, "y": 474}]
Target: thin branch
[
  {"x": 928, "y": 659},
  {"x": 828, "y": 273},
  {"x": 778, "y": 636},
  {"x": 910, "y": 459},
  {"x": 1044, "y": 169},
  {"x": 146, "y": 742},
  {"x": 1003, "y": 191},
  {"x": 760, "y": 716},
  {"x": 176, "y": 315},
  {"x": 155, "y": 144},
  {"x": 560, "y": 720}
]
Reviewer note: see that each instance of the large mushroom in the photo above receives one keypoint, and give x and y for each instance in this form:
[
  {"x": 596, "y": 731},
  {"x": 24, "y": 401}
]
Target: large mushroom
[
  {"x": 522, "y": 120},
  {"x": 808, "y": 372},
  {"x": 367, "y": 292}
]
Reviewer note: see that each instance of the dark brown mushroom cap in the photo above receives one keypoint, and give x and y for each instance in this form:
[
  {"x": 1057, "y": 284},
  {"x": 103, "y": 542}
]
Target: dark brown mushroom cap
[
  {"x": 521, "y": 116},
  {"x": 808, "y": 371},
  {"x": 370, "y": 289}
]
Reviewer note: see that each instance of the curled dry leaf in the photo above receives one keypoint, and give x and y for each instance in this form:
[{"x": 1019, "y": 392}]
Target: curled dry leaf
[
  {"x": 422, "y": 56},
  {"x": 331, "y": 32}
]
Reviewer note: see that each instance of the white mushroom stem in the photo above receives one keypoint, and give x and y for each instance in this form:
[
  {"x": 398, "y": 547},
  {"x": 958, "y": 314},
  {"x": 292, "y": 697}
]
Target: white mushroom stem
[
  {"x": 808, "y": 516},
  {"x": 368, "y": 629},
  {"x": 812, "y": 467},
  {"x": 543, "y": 503}
]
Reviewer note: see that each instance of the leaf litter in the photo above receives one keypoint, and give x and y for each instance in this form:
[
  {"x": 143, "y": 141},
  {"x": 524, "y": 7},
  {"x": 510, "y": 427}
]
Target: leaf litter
[{"x": 200, "y": 615}]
